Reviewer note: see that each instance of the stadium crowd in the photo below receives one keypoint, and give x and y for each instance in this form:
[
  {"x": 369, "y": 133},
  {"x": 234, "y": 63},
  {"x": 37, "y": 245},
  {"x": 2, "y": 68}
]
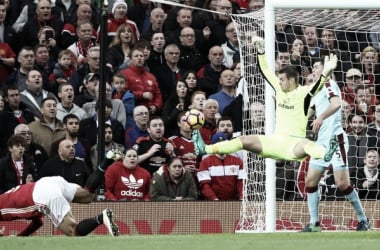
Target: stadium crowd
[{"x": 160, "y": 62}]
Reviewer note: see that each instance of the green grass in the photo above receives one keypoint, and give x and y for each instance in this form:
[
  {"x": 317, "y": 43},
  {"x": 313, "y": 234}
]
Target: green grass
[{"x": 263, "y": 241}]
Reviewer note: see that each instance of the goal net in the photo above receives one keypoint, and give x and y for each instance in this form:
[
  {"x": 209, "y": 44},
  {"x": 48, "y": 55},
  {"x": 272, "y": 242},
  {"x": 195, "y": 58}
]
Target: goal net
[{"x": 274, "y": 197}]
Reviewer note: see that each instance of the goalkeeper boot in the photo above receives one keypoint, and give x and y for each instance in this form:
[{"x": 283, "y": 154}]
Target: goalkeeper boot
[
  {"x": 333, "y": 145},
  {"x": 312, "y": 228},
  {"x": 363, "y": 225},
  {"x": 199, "y": 145},
  {"x": 108, "y": 221}
]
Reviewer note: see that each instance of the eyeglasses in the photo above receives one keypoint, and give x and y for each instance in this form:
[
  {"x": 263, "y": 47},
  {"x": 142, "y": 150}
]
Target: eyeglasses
[{"x": 230, "y": 30}]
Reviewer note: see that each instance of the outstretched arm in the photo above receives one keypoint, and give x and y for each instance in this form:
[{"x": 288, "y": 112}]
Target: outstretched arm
[
  {"x": 269, "y": 76},
  {"x": 329, "y": 66}
]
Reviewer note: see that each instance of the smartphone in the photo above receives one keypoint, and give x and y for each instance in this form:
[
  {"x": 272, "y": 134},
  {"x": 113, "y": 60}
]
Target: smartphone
[{"x": 48, "y": 34}]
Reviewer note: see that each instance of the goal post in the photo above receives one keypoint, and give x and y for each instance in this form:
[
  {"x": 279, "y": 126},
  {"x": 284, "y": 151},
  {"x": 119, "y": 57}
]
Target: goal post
[{"x": 258, "y": 212}]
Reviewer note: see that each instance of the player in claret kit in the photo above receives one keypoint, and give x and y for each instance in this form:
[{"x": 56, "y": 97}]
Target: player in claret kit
[
  {"x": 289, "y": 140},
  {"x": 51, "y": 196}
]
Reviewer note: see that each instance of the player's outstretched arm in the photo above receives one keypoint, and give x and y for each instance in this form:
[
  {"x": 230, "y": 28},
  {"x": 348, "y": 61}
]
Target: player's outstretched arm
[{"x": 330, "y": 64}]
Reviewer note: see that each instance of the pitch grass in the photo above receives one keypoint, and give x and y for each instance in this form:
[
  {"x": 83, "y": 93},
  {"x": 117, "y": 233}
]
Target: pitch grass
[{"x": 263, "y": 241}]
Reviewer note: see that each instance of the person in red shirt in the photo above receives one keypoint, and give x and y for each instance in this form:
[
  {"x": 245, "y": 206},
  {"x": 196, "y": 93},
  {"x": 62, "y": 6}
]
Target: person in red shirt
[
  {"x": 126, "y": 180},
  {"x": 142, "y": 83},
  {"x": 51, "y": 196},
  {"x": 221, "y": 176}
]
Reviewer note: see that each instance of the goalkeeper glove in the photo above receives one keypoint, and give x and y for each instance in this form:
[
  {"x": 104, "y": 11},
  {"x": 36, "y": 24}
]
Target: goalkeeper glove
[
  {"x": 329, "y": 65},
  {"x": 258, "y": 42}
]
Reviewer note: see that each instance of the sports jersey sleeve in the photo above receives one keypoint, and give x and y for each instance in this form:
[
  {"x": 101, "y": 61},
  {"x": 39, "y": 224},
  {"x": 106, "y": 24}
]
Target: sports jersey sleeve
[{"x": 267, "y": 73}]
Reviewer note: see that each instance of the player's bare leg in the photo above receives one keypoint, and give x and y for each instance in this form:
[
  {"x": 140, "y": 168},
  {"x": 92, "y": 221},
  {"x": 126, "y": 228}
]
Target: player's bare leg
[{"x": 68, "y": 224}]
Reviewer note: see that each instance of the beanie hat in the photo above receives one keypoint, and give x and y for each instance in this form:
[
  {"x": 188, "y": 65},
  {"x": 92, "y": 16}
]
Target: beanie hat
[{"x": 118, "y": 2}]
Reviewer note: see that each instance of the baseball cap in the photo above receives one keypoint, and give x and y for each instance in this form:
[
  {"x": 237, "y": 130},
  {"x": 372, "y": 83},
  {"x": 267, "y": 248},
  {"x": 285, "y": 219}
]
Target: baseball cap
[
  {"x": 90, "y": 77},
  {"x": 353, "y": 72},
  {"x": 217, "y": 137}
]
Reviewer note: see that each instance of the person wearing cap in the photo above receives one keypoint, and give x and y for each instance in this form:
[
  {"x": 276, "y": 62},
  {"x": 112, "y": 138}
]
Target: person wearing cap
[
  {"x": 353, "y": 79},
  {"x": 118, "y": 17},
  {"x": 88, "y": 94},
  {"x": 221, "y": 175}
]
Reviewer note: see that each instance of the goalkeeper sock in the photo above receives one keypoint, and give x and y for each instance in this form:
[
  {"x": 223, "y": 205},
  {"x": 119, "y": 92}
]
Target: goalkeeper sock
[
  {"x": 353, "y": 198},
  {"x": 313, "y": 205},
  {"x": 225, "y": 147},
  {"x": 314, "y": 150}
]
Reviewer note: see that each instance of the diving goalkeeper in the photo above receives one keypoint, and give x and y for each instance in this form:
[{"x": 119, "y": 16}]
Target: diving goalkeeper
[{"x": 289, "y": 140}]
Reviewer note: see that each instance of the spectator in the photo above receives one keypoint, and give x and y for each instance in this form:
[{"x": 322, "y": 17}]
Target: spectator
[
  {"x": 255, "y": 5},
  {"x": 358, "y": 141},
  {"x": 310, "y": 38},
  {"x": 140, "y": 13},
  {"x": 118, "y": 53},
  {"x": 118, "y": 17},
  {"x": 44, "y": 16},
  {"x": 210, "y": 111},
  {"x": 15, "y": 112},
  {"x": 185, "y": 147},
  {"x": 92, "y": 65},
  {"x": 209, "y": 75},
  {"x": 177, "y": 102},
  {"x": 221, "y": 176},
  {"x": 46, "y": 37},
  {"x": 228, "y": 88},
  {"x": 353, "y": 79},
  {"x": 173, "y": 182},
  {"x": 154, "y": 150},
  {"x": 44, "y": 63},
  {"x": 126, "y": 180},
  {"x": 34, "y": 153},
  {"x": 84, "y": 13},
  {"x": 82, "y": 46},
  {"x": 374, "y": 126},
  {"x": 299, "y": 58},
  {"x": 231, "y": 46},
  {"x": 141, "y": 117},
  {"x": 88, "y": 128},
  {"x": 363, "y": 102},
  {"x": 347, "y": 109},
  {"x": 191, "y": 79},
  {"x": 48, "y": 129},
  {"x": 118, "y": 110},
  {"x": 7, "y": 34},
  {"x": 88, "y": 93},
  {"x": 191, "y": 57},
  {"x": 66, "y": 106},
  {"x": 157, "y": 19},
  {"x": 66, "y": 165},
  {"x": 169, "y": 73},
  {"x": 142, "y": 83},
  {"x": 25, "y": 59},
  {"x": 62, "y": 70},
  {"x": 218, "y": 25},
  {"x": 121, "y": 92},
  {"x": 157, "y": 57},
  {"x": 109, "y": 144},
  {"x": 371, "y": 70},
  {"x": 329, "y": 44},
  {"x": 198, "y": 99},
  {"x": 14, "y": 168},
  {"x": 7, "y": 57},
  {"x": 367, "y": 178},
  {"x": 34, "y": 94},
  {"x": 81, "y": 146}
]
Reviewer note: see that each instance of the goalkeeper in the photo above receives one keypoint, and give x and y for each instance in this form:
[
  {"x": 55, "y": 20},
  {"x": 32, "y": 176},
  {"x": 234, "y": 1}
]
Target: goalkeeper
[
  {"x": 328, "y": 123},
  {"x": 289, "y": 140}
]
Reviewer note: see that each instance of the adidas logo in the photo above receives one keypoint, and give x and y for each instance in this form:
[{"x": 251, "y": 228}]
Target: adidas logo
[{"x": 131, "y": 182}]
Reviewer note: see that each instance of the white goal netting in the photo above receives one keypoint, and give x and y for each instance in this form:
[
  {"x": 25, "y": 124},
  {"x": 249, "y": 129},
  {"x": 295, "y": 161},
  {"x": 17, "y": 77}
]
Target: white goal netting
[{"x": 354, "y": 35}]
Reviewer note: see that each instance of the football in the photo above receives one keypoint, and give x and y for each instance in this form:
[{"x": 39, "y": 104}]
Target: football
[{"x": 194, "y": 119}]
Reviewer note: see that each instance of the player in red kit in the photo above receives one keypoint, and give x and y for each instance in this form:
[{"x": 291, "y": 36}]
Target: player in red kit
[{"x": 51, "y": 196}]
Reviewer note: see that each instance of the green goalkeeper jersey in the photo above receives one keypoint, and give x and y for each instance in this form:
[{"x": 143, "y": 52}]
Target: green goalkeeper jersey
[{"x": 291, "y": 107}]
